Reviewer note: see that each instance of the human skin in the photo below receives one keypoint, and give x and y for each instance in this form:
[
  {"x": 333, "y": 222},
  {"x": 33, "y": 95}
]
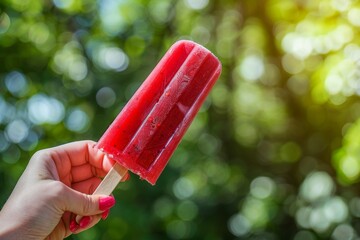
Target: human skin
[{"x": 54, "y": 188}]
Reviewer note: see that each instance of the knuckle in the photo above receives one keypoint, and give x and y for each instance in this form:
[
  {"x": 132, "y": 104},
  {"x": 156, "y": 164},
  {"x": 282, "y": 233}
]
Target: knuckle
[
  {"x": 38, "y": 154},
  {"x": 87, "y": 206},
  {"x": 54, "y": 192},
  {"x": 57, "y": 190}
]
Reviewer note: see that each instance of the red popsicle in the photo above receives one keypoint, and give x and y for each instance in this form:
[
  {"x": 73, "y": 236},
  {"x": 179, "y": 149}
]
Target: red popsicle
[{"x": 145, "y": 134}]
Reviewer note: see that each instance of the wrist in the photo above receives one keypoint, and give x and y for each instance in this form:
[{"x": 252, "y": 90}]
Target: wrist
[{"x": 8, "y": 228}]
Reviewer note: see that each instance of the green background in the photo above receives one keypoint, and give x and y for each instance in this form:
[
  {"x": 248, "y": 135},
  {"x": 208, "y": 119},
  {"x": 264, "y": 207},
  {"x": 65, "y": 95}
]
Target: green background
[{"x": 274, "y": 152}]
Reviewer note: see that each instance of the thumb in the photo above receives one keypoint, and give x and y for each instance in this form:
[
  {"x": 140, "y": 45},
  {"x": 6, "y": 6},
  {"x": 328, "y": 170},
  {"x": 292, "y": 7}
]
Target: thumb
[{"x": 87, "y": 205}]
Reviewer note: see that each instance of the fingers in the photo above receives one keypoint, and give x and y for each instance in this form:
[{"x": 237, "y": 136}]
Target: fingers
[
  {"x": 91, "y": 207},
  {"x": 104, "y": 203},
  {"x": 80, "y": 153},
  {"x": 82, "y": 172},
  {"x": 85, "y": 223},
  {"x": 79, "y": 222},
  {"x": 99, "y": 159},
  {"x": 83, "y": 204},
  {"x": 88, "y": 186},
  {"x": 77, "y": 152}
]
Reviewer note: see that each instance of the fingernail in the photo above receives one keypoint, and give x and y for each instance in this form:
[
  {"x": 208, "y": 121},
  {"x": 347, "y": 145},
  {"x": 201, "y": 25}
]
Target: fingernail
[
  {"x": 85, "y": 221},
  {"x": 73, "y": 226},
  {"x": 106, "y": 203},
  {"x": 105, "y": 214}
]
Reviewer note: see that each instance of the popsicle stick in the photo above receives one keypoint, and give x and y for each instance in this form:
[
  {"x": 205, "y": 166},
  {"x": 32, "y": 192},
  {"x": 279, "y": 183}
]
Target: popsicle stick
[
  {"x": 109, "y": 183},
  {"x": 111, "y": 180}
]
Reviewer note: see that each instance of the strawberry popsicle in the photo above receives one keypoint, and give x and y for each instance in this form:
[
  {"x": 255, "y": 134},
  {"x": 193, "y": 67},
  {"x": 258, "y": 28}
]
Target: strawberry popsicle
[{"x": 145, "y": 134}]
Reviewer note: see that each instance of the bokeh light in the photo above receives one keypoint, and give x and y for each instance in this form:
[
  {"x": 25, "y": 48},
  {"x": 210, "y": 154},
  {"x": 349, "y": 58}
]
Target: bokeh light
[
  {"x": 344, "y": 231},
  {"x": 252, "y": 68},
  {"x": 262, "y": 187},
  {"x": 317, "y": 185},
  {"x": 63, "y": 4},
  {"x": 105, "y": 97},
  {"x": 113, "y": 59},
  {"x": 183, "y": 188},
  {"x": 17, "y": 131},
  {"x": 44, "y": 109},
  {"x": 16, "y": 83},
  {"x": 116, "y": 15},
  {"x": 345, "y": 159},
  {"x": 187, "y": 210},
  {"x": 239, "y": 225},
  {"x": 159, "y": 10},
  {"x": 353, "y": 16},
  {"x": 4, "y": 22},
  {"x": 197, "y": 4},
  {"x": 77, "y": 120},
  {"x": 70, "y": 62},
  {"x": 4, "y": 143}
]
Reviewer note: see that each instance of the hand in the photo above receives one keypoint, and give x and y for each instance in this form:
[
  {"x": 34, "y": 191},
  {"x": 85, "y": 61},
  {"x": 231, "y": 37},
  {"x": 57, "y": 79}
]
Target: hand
[{"x": 53, "y": 189}]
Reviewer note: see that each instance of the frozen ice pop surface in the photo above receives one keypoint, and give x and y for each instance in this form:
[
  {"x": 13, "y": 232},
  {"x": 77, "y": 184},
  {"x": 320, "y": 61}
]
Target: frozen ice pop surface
[{"x": 146, "y": 132}]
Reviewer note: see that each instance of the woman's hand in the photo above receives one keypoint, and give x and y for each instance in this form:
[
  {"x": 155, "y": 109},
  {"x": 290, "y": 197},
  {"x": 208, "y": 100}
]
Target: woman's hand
[{"x": 53, "y": 189}]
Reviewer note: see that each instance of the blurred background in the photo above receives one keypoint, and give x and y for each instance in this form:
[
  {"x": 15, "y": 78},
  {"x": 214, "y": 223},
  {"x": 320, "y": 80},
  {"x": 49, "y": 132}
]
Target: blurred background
[{"x": 274, "y": 152}]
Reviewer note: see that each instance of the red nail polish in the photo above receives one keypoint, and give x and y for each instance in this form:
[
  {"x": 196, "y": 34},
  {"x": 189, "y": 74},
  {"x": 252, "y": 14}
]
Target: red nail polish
[
  {"x": 106, "y": 203},
  {"x": 85, "y": 221},
  {"x": 105, "y": 214},
  {"x": 73, "y": 226}
]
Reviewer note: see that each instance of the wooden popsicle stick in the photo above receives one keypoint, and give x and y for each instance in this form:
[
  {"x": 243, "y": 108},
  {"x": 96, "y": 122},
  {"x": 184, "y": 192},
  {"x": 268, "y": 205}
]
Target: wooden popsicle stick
[
  {"x": 109, "y": 183},
  {"x": 111, "y": 180}
]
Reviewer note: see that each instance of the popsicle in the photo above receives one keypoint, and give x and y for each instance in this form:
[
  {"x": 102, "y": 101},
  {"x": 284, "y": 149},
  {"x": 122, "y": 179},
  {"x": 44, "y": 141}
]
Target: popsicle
[{"x": 146, "y": 132}]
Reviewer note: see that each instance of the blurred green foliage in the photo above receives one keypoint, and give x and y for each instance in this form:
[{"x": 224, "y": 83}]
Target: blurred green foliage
[{"x": 274, "y": 152}]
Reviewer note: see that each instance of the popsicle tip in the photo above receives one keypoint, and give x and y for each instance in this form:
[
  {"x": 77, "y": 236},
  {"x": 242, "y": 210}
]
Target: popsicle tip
[
  {"x": 193, "y": 43},
  {"x": 189, "y": 43}
]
